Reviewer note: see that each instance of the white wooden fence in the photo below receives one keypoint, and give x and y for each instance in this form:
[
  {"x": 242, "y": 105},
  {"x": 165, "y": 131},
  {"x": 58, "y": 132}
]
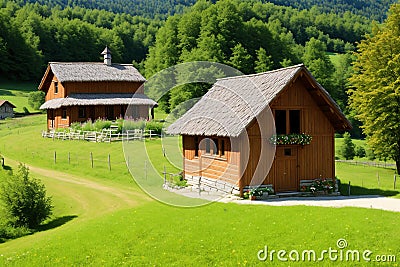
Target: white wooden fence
[{"x": 106, "y": 135}]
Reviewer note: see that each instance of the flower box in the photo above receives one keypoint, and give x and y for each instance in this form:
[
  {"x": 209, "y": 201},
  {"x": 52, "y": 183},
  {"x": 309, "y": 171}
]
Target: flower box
[{"x": 291, "y": 139}]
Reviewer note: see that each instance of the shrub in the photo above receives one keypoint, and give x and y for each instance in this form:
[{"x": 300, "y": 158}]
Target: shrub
[
  {"x": 101, "y": 124},
  {"x": 154, "y": 126},
  {"x": 132, "y": 125},
  {"x": 76, "y": 126},
  {"x": 347, "y": 149},
  {"x": 370, "y": 154},
  {"x": 360, "y": 151},
  {"x": 24, "y": 200},
  {"x": 36, "y": 99},
  {"x": 88, "y": 126}
]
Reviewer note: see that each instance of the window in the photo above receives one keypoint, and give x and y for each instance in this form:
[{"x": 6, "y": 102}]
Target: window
[
  {"x": 82, "y": 113},
  {"x": 222, "y": 147},
  {"x": 64, "y": 113},
  {"x": 56, "y": 87},
  {"x": 287, "y": 152},
  {"x": 280, "y": 121},
  {"x": 215, "y": 146},
  {"x": 196, "y": 146},
  {"x": 208, "y": 146},
  {"x": 287, "y": 121},
  {"x": 294, "y": 119}
]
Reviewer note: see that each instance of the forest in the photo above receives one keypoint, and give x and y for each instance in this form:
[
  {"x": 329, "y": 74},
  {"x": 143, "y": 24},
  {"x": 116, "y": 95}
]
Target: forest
[
  {"x": 375, "y": 10},
  {"x": 249, "y": 35}
]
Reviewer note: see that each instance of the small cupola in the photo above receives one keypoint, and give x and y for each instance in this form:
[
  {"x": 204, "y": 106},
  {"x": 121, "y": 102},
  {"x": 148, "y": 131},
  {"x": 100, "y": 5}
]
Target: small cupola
[{"x": 107, "y": 56}]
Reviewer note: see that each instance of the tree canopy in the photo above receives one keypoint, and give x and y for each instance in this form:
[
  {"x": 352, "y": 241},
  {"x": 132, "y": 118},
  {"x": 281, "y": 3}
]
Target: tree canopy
[{"x": 376, "y": 94}]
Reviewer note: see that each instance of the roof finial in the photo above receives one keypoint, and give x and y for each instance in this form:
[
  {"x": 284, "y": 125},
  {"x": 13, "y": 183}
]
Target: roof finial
[{"x": 107, "y": 56}]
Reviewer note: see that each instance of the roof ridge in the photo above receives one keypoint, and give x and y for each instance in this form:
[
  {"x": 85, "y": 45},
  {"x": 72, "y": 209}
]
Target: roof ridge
[
  {"x": 83, "y": 62},
  {"x": 262, "y": 73}
]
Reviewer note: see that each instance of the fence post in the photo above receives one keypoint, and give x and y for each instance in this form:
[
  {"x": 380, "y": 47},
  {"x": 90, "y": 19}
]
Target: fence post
[
  {"x": 55, "y": 157},
  {"x": 109, "y": 162},
  {"x": 394, "y": 182},
  {"x": 349, "y": 188},
  {"x": 91, "y": 158},
  {"x": 379, "y": 181}
]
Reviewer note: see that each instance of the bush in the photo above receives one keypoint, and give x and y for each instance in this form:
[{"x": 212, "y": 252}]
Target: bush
[
  {"x": 133, "y": 125},
  {"x": 76, "y": 126},
  {"x": 24, "y": 200},
  {"x": 102, "y": 124},
  {"x": 36, "y": 99},
  {"x": 347, "y": 149},
  {"x": 9, "y": 232},
  {"x": 88, "y": 126},
  {"x": 155, "y": 127},
  {"x": 370, "y": 154},
  {"x": 360, "y": 151}
]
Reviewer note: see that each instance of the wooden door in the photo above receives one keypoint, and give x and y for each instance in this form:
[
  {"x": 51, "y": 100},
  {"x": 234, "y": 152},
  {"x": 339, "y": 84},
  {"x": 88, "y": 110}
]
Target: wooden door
[
  {"x": 51, "y": 118},
  {"x": 286, "y": 169},
  {"x": 110, "y": 113}
]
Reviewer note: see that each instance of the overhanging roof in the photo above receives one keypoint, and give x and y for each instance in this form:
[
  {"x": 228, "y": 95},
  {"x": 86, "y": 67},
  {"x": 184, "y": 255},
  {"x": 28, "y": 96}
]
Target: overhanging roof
[
  {"x": 91, "y": 72},
  {"x": 2, "y": 102},
  {"x": 233, "y": 103},
  {"x": 98, "y": 99}
]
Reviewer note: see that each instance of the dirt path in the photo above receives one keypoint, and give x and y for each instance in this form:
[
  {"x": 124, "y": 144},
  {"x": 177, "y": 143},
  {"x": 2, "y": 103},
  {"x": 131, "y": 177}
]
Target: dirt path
[
  {"x": 91, "y": 198},
  {"x": 373, "y": 202}
]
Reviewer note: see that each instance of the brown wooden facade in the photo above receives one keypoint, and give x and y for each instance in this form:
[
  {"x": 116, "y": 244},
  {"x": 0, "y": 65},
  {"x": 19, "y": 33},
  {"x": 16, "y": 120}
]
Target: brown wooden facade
[
  {"x": 237, "y": 159},
  {"x": 63, "y": 117}
]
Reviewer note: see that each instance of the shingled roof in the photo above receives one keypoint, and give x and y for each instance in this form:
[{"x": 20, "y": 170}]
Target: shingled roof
[
  {"x": 2, "y": 102},
  {"x": 232, "y": 103},
  {"x": 92, "y": 72},
  {"x": 98, "y": 99}
]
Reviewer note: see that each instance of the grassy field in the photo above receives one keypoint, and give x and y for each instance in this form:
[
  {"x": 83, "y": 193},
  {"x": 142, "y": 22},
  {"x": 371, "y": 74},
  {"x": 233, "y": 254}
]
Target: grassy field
[
  {"x": 17, "y": 93},
  {"x": 102, "y": 218}
]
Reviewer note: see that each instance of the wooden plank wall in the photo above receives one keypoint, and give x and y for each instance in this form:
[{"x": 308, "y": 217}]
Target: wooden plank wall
[
  {"x": 103, "y": 87},
  {"x": 51, "y": 90},
  {"x": 223, "y": 168}
]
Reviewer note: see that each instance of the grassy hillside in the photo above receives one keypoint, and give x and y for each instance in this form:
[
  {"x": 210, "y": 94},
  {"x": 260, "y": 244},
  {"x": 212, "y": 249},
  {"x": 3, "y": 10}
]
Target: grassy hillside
[
  {"x": 17, "y": 93},
  {"x": 102, "y": 218}
]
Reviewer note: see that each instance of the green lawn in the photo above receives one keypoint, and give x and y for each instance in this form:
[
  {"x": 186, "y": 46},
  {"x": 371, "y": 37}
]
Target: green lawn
[
  {"x": 102, "y": 218},
  {"x": 17, "y": 93}
]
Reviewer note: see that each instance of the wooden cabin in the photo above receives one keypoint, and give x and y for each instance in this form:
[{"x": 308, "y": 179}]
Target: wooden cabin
[
  {"x": 230, "y": 135},
  {"x": 82, "y": 91},
  {"x": 6, "y": 109}
]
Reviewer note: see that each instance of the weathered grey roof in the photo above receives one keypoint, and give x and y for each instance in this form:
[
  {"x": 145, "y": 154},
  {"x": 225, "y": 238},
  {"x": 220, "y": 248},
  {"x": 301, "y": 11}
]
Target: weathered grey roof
[
  {"x": 3, "y": 102},
  {"x": 98, "y": 99},
  {"x": 95, "y": 72},
  {"x": 232, "y": 103}
]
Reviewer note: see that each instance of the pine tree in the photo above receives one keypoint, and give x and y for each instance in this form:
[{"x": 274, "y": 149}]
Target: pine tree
[{"x": 348, "y": 148}]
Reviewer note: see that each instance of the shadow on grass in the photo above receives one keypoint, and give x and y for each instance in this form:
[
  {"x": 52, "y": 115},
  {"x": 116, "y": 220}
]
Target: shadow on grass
[
  {"x": 57, "y": 222},
  {"x": 10, "y": 233},
  {"x": 358, "y": 190},
  {"x": 7, "y": 168}
]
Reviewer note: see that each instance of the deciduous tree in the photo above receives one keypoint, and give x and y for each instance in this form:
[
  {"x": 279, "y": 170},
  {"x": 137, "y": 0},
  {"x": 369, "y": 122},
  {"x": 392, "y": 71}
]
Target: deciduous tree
[{"x": 376, "y": 93}]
